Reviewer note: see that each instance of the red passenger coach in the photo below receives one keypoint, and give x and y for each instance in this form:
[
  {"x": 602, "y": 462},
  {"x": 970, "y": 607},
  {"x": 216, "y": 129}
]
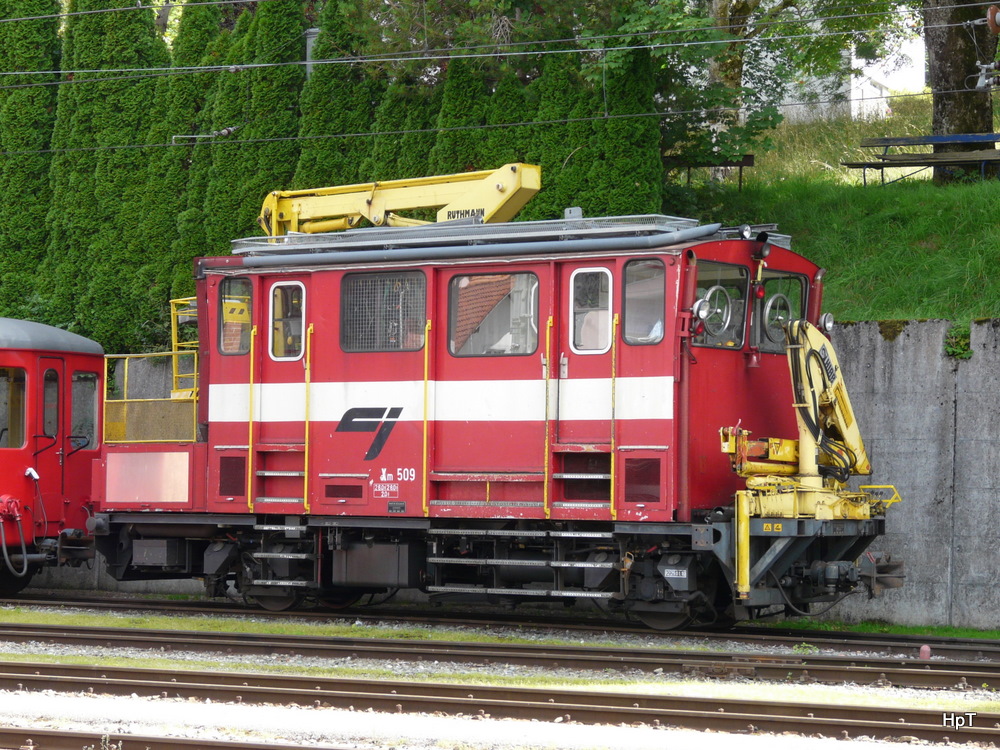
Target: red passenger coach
[
  {"x": 50, "y": 383},
  {"x": 517, "y": 411}
]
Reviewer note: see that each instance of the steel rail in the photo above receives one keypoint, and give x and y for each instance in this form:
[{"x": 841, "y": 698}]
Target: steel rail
[
  {"x": 878, "y": 671},
  {"x": 971, "y": 649},
  {"x": 542, "y": 704},
  {"x": 30, "y": 738}
]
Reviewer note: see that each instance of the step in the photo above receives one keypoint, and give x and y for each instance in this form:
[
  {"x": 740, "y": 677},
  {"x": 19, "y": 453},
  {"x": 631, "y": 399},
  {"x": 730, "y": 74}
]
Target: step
[
  {"x": 277, "y": 527},
  {"x": 571, "y": 475},
  {"x": 275, "y": 473},
  {"x": 521, "y": 592},
  {"x": 280, "y": 447},
  {"x": 499, "y": 561},
  {"x": 531, "y": 534},
  {"x": 265, "y": 500},
  {"x": 284, "y": 584},
  {"x": 283, "y": 555}
]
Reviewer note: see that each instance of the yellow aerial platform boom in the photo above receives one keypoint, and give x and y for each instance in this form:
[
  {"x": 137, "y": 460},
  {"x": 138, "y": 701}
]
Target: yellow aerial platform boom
[{"x": 495, "y": 195}]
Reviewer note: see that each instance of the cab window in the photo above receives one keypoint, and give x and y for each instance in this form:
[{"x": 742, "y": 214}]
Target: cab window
[
  {"x": 645, "y": 291},
  {"x": 235, "y": 316},
  {"x": 783, "y": 299},
  {"x": 720, "y": 305}
]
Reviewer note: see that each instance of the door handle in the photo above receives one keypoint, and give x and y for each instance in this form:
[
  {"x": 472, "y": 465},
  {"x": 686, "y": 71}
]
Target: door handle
[{"x": 563, "y": 365}]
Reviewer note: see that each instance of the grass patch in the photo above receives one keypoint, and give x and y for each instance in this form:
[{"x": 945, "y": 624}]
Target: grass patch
[
  {"x": 883, "y": 628},
  {"x": 912, "y": 251},
  {"x": 249, "y": 624}
]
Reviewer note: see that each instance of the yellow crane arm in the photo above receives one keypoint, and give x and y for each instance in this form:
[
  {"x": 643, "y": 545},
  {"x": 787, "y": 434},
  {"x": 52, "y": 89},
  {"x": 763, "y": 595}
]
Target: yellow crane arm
[
  {"x": 822, "y": 402},
  {"x": 495, "y": 195}
]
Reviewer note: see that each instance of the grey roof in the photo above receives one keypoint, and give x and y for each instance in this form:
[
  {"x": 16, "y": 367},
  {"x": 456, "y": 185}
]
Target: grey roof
[{"x": 24, "y": 334}]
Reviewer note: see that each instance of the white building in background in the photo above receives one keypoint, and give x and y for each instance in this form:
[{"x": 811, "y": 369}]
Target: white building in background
[{"x": 863, "y": 96}]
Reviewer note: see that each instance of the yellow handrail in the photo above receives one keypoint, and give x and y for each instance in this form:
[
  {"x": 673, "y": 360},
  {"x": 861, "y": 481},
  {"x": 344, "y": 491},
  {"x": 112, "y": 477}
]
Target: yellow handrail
[
  {"x": 425, "y": 450},
  {"x": 250, "y": 446},
  {"x": 305, "y": 452}
]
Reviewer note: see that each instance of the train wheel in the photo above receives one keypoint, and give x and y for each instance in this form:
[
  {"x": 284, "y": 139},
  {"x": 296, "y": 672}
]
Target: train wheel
[
  {"x": 664, "y": 620},
  {"x": 277, "y": 602},
  {"x": 339, "y": 599},
  {"x": 11, "y": 585}
]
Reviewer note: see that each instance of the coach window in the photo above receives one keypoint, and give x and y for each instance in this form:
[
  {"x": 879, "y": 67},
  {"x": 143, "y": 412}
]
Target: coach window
[
  {"x": 288, "y": 301},
  {"x": 50, "y": 403},
  {"x": 12, "y": 411},
  {"x": 783, "y": 299},
  {"x": 383, "y": 312},
  {"x": 720, "y": 307},
  {"x": 590, "y": 301},
  {"x": 643, "y": 301},
  {"x": 493, "y": 314},
  {"x": 84, "y": 410},
  {"x": 235, "y": 316}
]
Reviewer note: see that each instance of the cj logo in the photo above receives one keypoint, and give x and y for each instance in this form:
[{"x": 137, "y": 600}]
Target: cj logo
[{"x": 371, "y": 419}]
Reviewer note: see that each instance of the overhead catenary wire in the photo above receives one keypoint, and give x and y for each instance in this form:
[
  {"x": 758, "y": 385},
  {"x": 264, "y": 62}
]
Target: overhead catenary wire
[
  {"x": 701, "y": 112},
  {"x": 489, "y": 50}
]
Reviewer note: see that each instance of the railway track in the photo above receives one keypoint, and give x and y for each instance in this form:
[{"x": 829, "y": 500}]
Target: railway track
[
  {"x": 30, "y": 738},
  {"x": 504, "y": 702},
  {"x": 906, "y": 646},
  {"x": 875, "y": 670}
]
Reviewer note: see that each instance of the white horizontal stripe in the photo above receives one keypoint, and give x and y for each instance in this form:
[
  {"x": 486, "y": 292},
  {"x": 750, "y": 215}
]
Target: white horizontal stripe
[{"x": 452, "y": 401}]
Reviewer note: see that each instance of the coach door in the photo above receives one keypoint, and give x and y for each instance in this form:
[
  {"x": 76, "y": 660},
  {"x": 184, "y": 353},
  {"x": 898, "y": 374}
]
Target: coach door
[
  {"x": 490, "y": 403},
  {"x": 279, "y": 451},
  {"x": 583, "y": 366},
  {"x": 49, "y": 437}
]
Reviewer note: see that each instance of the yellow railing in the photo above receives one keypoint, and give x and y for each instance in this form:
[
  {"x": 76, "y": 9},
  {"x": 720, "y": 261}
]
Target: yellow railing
[
  {"x": 184, "y": 312},
  {"x": 142, "y": 404}
]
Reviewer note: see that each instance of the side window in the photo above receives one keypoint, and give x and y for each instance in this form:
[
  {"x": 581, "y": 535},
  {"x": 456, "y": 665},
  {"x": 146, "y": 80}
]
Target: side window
[
  {"x": 12, "y": 407},
  {"x": 783, "y": 299},
  {"x": 590, "y": 303},
  {"x": 643, "y": 301},
  {"x": 493, "y": 314},
  {"x": 50, "y": 403},
  {"x": 720, "y": 306},
  {"x": 235, "y": 316},
  {"x": 287, "y": 309},
  {"x": 383, "y": 312},
  {"x": 84, "y": 425}
]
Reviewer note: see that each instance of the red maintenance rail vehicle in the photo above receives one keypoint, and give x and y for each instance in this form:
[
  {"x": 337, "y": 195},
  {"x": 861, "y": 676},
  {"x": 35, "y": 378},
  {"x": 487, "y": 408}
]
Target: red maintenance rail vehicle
[
  {"x": 50, "y": 390},
  {"x": 514, "y": 410}
]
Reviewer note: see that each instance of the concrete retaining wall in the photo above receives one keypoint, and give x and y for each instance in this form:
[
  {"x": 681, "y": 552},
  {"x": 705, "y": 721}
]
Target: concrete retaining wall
[{"x": 930, "y": 424}]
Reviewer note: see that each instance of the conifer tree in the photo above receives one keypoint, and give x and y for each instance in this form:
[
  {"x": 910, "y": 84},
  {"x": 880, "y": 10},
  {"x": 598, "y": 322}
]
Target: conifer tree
[
  {"x": 339, "y": 99},
  {"x": 419, "y": 136},
  {"x": 70, "y": 220},
  {"x": 223, "y": 215},
  {"x": 560, "y": 145},
  {"x": 180, "y": 100},
  {"x": 27, "y": 118},
  {"x": 190, "y": 239},
  {"x": 277, "y": 42},
  {"x": 627, "y": 172},
  {"x": 463, "y": 112},
  {"x": 390, "y": 122},
  {"x": 508, "y": 105},
  {"x": 121, "y": 119}
]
